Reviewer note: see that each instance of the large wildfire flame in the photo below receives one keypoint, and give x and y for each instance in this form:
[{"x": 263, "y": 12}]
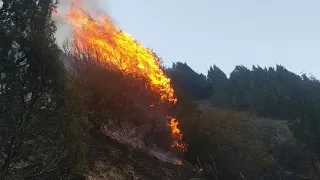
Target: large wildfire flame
[{"x": 113, "y": 46}]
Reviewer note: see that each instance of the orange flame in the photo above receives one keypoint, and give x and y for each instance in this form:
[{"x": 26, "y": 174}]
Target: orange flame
[
  {"x": 112, "y": 46},
  {"x": 176, "y": 134}
]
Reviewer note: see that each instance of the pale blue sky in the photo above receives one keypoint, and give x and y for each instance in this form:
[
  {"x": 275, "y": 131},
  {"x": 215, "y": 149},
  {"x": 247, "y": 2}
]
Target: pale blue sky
[{"x": 225, "y": 32}]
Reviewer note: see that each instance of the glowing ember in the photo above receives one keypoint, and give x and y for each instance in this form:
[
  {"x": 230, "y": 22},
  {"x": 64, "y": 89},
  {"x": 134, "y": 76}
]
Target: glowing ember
[{"x": 103, "y": 40}]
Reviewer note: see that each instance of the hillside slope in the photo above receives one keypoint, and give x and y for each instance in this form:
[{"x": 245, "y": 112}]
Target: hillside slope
[
  {"x": 111, "y": 160},
  {"x": 245, "y": 144},
  {"x": 259, "y": 142}
]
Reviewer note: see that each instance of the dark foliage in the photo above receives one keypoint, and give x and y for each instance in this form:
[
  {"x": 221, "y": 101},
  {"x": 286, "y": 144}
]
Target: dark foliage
[
  {"x": 269, "y": 92},
  {"x": 274, "y": 93},
  {"x": 42, "y": 123},
  {"x": 195, "y": 85}
]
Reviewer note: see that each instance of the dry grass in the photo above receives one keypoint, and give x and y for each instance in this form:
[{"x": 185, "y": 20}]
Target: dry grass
[{"x": 238, "y": 141}]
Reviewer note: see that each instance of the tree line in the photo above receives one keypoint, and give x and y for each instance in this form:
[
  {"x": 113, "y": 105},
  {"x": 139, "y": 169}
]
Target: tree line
[{"x": 272, "y": 92}]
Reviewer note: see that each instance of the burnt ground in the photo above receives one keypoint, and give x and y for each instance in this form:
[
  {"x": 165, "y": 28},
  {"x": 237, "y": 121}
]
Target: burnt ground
[{"x": 111, "y": 160}]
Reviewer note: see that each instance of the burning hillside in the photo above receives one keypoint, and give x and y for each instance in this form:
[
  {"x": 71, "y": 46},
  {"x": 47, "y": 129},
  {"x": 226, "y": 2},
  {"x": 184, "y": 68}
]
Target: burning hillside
[{"x": 106, "y": 43}]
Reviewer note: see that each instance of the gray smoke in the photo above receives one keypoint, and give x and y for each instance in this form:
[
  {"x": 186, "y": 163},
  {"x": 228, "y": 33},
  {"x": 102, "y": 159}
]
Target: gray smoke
[{"x": 63, "y": 27}]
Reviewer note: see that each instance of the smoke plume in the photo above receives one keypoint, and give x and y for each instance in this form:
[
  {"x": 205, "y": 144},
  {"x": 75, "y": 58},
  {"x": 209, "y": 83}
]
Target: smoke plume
[{"x": 64, "y": 6}]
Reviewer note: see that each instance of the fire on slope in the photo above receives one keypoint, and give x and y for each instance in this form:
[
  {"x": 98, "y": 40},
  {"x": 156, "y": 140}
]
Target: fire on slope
[{"x": 103, "y": 40}]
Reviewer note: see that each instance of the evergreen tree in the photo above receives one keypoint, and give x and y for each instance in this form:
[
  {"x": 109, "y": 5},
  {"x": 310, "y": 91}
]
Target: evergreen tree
[
  {"x": 220, "y": 86},
  {"x": 195, "y": 85},
  {"x": 240, "y": 85},
  {"x": 37, "y": 116}
]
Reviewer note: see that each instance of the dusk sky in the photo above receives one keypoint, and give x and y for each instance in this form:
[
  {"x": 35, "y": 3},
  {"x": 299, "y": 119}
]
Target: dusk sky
[{"x": 225, "y": 32}]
